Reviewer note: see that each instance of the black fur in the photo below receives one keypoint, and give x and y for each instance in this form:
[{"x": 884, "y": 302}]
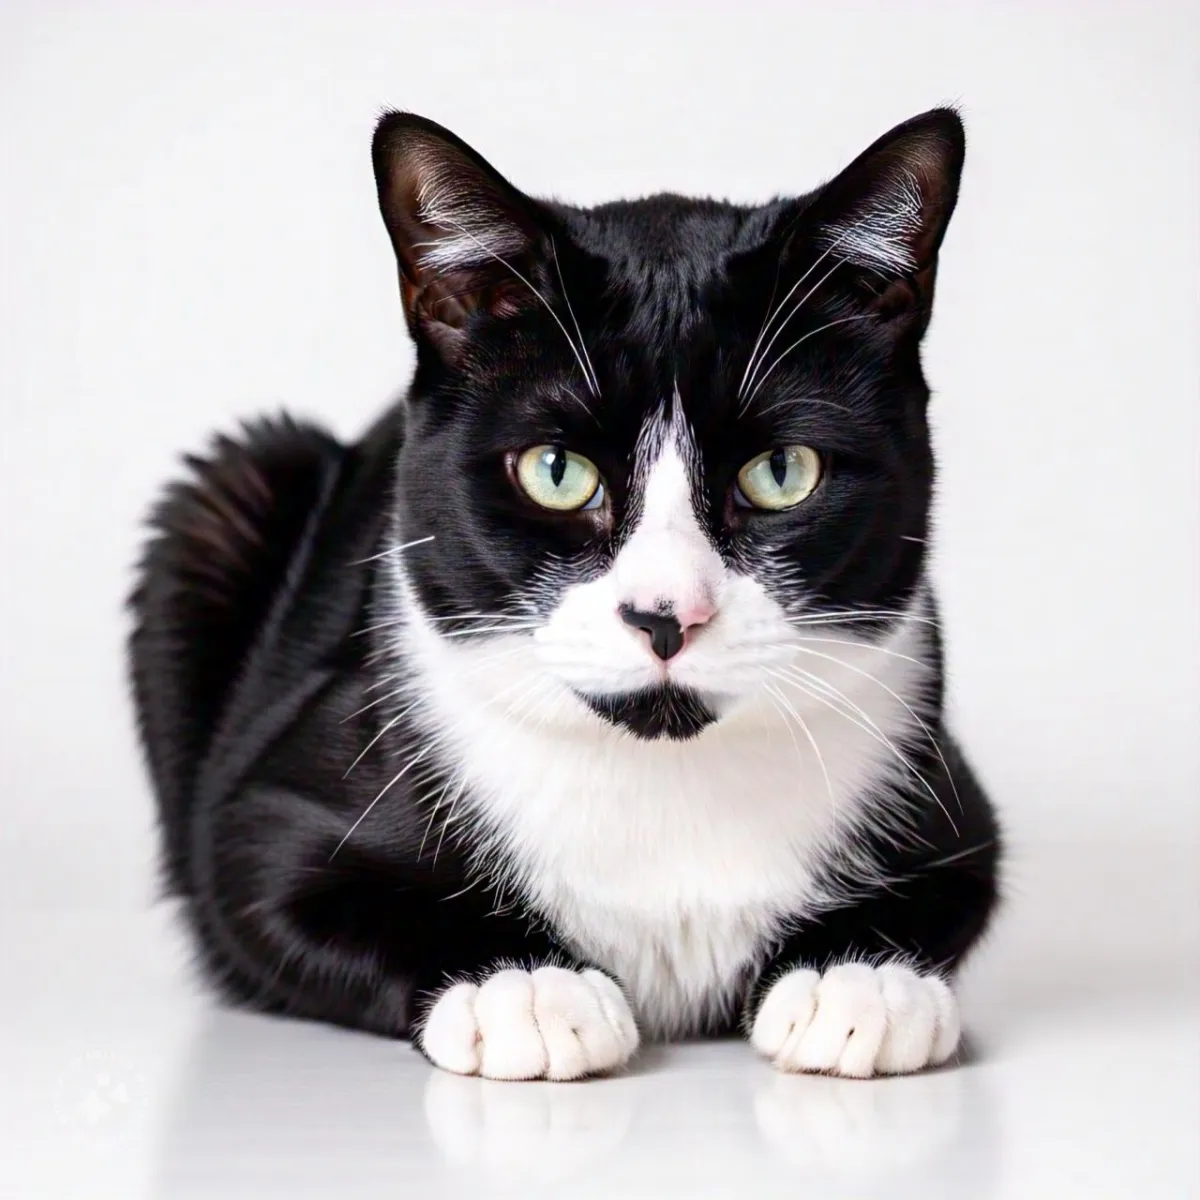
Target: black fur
[{"x": 255, "y": 681}]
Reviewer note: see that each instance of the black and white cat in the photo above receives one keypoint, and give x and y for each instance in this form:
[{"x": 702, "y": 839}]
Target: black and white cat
[{"x": 596, "y": 692}]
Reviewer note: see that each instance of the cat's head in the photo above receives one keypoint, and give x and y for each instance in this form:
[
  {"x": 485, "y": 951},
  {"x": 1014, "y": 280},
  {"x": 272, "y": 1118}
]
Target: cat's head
[{"x": 655, "y": 441}]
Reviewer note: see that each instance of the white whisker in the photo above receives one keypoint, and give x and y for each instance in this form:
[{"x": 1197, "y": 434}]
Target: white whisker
[
  {"x": 911, "y": 712},
  {"x": 850, "y": 616},
  {"x": 750, "y": 365},
  {"x": 481, "y": 616},
  {"x": 799, "y": 341},
  {"x": 393, "y": 550},
  {"x": 441, "y": 797},
  {"x": 796, "y": 402},
  {"x": 786, "y": 322},
  {"x": 865, "y": 646},
  {"x": 571, "y": 311},
  {"x": 866, "y": 724},
  {"x": 412, "y": 762},
  {"x": 506, "y": 629},
  {"x": 545, "y": 303},
  {"x": 808, "y": 734}
]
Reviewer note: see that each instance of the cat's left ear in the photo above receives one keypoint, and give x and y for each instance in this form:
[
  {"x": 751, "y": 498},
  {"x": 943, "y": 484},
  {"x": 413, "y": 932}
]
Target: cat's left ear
[
  {"x": 885, "y": 215},
  {"x": 463, "y": 235}
]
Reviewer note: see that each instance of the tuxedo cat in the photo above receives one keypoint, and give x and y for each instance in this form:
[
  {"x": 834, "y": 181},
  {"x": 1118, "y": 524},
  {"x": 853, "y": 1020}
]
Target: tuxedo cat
[{"x": 595, "y": 694}]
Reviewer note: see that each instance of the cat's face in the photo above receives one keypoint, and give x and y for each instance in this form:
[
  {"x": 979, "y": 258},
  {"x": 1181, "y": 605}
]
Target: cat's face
[{"x": 656, "y": 443}]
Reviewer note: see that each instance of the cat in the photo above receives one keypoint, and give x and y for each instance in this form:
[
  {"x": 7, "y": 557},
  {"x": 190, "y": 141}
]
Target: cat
[{"x": 595, "y": 693}]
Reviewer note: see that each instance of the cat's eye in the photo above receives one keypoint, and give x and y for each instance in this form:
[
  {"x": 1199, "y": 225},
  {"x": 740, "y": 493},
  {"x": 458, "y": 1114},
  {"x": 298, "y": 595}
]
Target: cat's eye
[
  {"x": 779, "y": 479},
  {"x": 559, "y": 479}
]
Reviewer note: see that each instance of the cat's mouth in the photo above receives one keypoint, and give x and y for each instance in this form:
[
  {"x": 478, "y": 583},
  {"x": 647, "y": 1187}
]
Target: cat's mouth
[{"x": 665, "y": 710}]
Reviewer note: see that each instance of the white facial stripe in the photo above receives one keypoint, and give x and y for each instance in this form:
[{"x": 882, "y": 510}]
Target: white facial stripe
[{"x": 667, "y": 559}]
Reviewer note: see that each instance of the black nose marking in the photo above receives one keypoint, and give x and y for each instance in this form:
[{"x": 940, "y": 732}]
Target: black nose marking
[{"x": 666, "y": 634}]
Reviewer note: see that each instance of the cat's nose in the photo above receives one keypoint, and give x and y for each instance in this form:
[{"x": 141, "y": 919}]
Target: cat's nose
[{"x": 665, "y": 630}]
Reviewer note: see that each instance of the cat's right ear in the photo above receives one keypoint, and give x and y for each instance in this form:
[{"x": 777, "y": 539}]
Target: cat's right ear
[{"x": 461, "y": 232}]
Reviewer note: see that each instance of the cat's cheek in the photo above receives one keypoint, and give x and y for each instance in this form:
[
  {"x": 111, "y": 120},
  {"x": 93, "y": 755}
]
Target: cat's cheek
[{"x": 857, "y": 1021}]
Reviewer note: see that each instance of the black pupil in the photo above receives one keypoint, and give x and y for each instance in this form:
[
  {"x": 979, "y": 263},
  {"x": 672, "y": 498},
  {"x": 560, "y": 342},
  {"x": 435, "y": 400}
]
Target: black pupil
[
  {"x": 779, "y": 466},
  {"x": 558, "y": 465}
]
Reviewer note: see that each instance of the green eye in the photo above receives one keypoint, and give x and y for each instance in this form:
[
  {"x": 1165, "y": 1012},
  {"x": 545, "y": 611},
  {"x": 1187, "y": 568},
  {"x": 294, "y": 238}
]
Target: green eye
[
  {"x": 780, "y": 478},
  {"x": 557, "y": 479}
]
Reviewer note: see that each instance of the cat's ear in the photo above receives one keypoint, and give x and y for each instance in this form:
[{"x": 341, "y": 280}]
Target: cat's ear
[
  {"x": 461, "y": 232},
  {"x": 885, "y": 215}
]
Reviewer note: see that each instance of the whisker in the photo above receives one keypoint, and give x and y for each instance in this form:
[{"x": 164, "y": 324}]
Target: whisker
[
  {"x": 490, "y": 660},
  {"x": 799, "y": 341},
  {"x": 478, "y": 616},
  {"x": 445, "y": 221},
  {"x": 377, "y": 626},
  {"x": 457, "y": 633},
  {"x": 412, "y": 762},
  {"x": 811, "y": 740},
  {"x": 746, "y": 377},
  {"x": 378, "y": 700},
  {"x": 867, "y": 725},
  {"x": 393, "y": 550},
  {"x": 768, "y": 316},
  {"x": 866, "y": 646},
  {"x": 530, "y": 682},
  {"x": 578, "y": 332},
  {"x": 387, "y": 728},
  {"x": 806, "y": 400},
  {"x": 531, "y": 686},
  {"x": 429, "y": 824},
  {"x": 756, "y": 358},
  {"x": 784, "y": 718},
  {"x": 784, "y": 324},
  {"x": 947, "y": 859},
  {"x": 851, "y": 616},
  {"x": 911, "y": 712}
]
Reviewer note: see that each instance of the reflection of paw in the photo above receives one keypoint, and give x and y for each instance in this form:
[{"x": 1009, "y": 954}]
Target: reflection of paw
[
  {"x": 546, "y": 1024},
  {"x": 855, "y": 1140},
  {"x": 857, "y": 1020},
  {"x": 542, "y": 1132}
]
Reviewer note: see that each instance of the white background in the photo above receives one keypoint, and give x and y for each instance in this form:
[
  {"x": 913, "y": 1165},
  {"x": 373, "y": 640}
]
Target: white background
[{"x": 188, "y": 235}]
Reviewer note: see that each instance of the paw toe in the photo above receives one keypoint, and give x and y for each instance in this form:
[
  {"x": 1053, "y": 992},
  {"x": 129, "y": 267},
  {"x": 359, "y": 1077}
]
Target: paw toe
[
  {"x": 848, "y": 1027},
  {"x": 911, "y": 1021},
  {"x": 511, "y": 1045},
  {"x": 450, "y": 1035},
  {"x": 785, "y": 1012}
]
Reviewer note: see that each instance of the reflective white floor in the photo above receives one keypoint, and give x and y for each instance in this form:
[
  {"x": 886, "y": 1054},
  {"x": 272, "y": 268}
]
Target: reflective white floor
[{"x": 1083, "y": 1079}]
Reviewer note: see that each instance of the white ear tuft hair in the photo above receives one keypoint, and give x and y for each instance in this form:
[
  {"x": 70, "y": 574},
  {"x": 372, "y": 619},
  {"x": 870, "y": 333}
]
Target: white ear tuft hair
[
  {"x": 468, "y": 231},
  {"x": 462, "y": 233},
  {"x": 888, "y": 210},
  {"x": 882, "y": 236}
]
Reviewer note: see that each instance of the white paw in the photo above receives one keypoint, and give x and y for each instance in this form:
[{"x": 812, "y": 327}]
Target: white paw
[
  {"x": 857, "y": 1020},
  {"x": 546, "y": 1024}
]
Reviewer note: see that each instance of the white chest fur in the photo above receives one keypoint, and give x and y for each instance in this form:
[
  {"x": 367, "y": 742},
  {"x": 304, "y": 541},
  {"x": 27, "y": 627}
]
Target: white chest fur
[{"x": 671, "y": 864}]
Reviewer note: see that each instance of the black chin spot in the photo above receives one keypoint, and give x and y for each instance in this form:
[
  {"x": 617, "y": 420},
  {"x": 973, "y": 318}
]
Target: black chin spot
[{"x": 668, "y": 711}]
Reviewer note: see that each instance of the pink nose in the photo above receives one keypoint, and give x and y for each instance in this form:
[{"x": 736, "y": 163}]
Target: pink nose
[{"x": 696, "y": 614}]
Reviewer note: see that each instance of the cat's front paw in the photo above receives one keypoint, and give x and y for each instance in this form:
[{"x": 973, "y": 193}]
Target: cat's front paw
[
  {"x": 857, "y": 1020},
  {"x": 550, "y": 1023}
]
